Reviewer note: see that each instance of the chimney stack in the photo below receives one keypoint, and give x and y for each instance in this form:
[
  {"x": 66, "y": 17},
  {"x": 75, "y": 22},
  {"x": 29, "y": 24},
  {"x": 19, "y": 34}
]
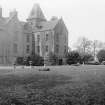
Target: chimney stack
[
  {"x": 13, "y": 13},
  {"x": 0, "y": 11}
]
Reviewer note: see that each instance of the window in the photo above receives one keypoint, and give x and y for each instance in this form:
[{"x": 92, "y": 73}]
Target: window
[
  {"x": 57, "y": 37},
  {"x": 16, "y": 35},
  {"x": 46, "y": 48},
  {"x": 38, "y": 49},
  {"x": 15, "y": 48},
  {"x": 65, "y": 49},
  {"x": 28, "y": 38},
  {"x": 28, "y": 49},
  {"x": 38, "y": 38},
  {"x": 57, "y": 48},
  {"x": 65, "y": 39},
  {"x": 39, "y": 27},
  {"x": 30, "y": 23},
  {"x": 46, "y": 37}
]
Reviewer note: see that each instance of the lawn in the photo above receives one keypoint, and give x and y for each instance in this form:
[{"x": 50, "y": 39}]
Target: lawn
[{"x": 62, "y": 85}]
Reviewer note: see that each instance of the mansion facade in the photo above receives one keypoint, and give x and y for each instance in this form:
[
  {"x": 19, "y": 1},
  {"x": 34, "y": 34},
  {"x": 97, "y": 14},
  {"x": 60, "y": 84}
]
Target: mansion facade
[{"x": 36, "y": 35}]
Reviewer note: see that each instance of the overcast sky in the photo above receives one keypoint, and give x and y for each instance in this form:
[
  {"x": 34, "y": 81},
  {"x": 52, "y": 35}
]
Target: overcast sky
[{"x": 82, "y": 17}]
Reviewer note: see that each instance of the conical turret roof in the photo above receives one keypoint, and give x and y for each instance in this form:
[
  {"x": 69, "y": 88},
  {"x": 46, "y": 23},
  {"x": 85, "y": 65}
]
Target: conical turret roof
[{"x": 36, "y": 13}]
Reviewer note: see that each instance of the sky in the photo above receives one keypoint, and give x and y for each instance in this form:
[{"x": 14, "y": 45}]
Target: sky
[{"x": 82, "y": 17}]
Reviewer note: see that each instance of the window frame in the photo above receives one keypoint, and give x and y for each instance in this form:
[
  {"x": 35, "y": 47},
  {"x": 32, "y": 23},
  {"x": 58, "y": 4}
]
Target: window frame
[
  {"x": 38, "y": 38},
  {"x": 46, "y": 48},
  {"x": 28, "y": 48},
  {"x": 28, "y": 38},
  {"x": 38, "y": 49},
  {"x": 47, "y": 37},
  {"x": 57, "y": 48},
  {"x": 15, "y": 48}
]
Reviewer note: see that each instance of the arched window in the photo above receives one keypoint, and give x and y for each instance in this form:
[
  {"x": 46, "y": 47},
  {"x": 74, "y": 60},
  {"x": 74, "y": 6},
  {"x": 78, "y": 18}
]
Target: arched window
[{"x": 15, "y": 48}]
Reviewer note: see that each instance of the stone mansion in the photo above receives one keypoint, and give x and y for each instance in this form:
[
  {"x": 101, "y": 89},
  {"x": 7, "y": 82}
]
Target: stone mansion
[{"x": 37, "y": 35}]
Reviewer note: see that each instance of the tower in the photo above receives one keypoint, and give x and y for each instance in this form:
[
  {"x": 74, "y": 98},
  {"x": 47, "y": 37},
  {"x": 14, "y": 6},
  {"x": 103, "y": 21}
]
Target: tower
[{"x": 36, "y": 16}]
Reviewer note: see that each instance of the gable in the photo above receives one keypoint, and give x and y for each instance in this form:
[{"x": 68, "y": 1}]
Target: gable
[{"x": 61, "y": 27}]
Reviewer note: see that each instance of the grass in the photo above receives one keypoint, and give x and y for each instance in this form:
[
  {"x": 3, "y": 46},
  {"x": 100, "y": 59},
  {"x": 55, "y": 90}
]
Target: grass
[{"x": 62, "y": 85}]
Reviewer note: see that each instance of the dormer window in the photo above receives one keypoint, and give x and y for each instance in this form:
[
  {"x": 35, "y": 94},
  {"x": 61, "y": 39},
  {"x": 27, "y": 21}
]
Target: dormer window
[
  {"x": 39, "y": 27},
  {"x": 31, "y": 23}
]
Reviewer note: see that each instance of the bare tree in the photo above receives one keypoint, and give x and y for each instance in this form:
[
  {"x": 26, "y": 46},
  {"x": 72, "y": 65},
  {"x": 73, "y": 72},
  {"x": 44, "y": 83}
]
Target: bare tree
[
  {"x": 97, "y": 45},
  {"x": 83, "y": 44}
]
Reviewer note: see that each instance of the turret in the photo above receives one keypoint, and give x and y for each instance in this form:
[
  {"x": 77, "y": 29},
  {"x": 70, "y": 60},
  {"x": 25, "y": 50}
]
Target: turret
[{"x": 36, "y": 15}]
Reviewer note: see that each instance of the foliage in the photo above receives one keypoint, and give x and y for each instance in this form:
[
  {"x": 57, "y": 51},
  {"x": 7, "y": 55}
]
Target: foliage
[
  {"x": 75, "y": 57},
  {"x": 51, "y": 59},
  {"x": 83, "y": 44},
  {"x": 95, "y": 45},
  {"x": 19, "y": 60},
  {"x": 101, "y": 55},
  {"x": 36, "y": 60},
  {"x": 85, "y": 57},
  {"x": 72, "y": 57}
]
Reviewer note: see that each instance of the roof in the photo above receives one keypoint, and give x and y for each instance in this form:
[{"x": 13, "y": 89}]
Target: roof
[
  {"x": 3, "y": 20},
  {"x": 46, "y": 25},
  {"x": 27, "y": 28},
  {"x": 22, "y": 23},
  {"x": 36, "y": 12}
]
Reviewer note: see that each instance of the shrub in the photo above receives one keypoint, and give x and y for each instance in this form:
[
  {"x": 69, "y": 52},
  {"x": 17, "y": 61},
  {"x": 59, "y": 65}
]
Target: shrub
[
  {"x": 51, "y": 59},
  {"x": 101, "y": 55},
  {"x": 86, "y": 57},
  {"x": 36, "y": 60},
  {"x": 72, "y": 57},
  {"x": 75, "y": 57},
  {"x": 19, "y": 60}
]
